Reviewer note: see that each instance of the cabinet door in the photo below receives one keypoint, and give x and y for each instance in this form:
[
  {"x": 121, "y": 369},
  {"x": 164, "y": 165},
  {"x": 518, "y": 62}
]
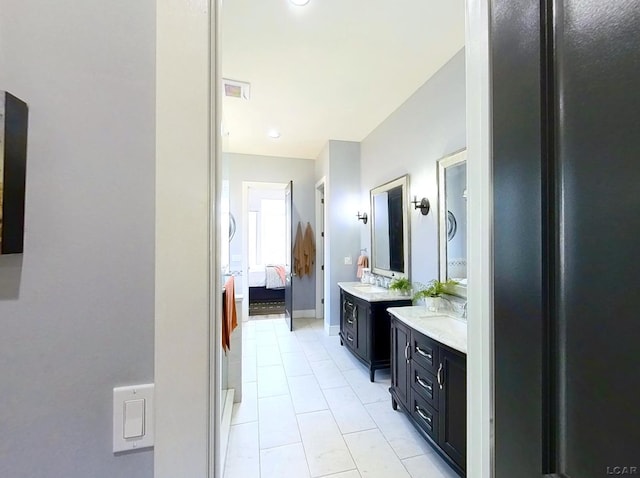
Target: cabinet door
[
  {"x": 361, "y": 326},
  {"x": 452, "y": 373},
  {"x": 400, "y": 342}
]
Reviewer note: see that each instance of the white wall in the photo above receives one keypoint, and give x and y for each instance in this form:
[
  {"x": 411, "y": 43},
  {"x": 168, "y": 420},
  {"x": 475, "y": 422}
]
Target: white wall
[
  {"x": 251, "y": 168},
  {"x": 77, "y": 309},
  {"x": 339, "y": 163},
  {"x": 428, "y": 126}
]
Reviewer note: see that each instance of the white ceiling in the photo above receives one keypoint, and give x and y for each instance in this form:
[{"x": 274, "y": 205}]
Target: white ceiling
[{"x": 334, "y": 69}]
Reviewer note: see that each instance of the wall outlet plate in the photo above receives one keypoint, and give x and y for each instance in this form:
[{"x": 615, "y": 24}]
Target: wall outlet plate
[{"x": 348, "y": 261}]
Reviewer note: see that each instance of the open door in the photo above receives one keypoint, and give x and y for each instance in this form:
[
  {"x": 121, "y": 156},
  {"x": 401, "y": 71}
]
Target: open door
[{"x": 288, "y": 285}]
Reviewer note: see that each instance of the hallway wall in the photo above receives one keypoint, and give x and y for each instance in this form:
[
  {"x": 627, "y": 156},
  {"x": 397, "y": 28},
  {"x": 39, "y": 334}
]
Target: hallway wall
[{"x": 77, "y": 309}]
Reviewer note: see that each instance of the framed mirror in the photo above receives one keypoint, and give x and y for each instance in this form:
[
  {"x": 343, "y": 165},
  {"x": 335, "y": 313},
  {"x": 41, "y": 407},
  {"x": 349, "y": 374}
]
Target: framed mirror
[
  {"x": 452, "y": 219},
  {"x": 390, "y": 228}
]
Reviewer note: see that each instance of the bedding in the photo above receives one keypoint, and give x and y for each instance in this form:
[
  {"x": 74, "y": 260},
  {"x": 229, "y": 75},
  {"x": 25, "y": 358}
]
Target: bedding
[{"x": 270, "y": 276}]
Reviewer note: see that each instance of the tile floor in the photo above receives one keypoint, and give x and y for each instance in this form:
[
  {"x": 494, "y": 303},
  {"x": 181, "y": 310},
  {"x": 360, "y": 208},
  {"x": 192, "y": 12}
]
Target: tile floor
[{"x": 309, "y": 410}]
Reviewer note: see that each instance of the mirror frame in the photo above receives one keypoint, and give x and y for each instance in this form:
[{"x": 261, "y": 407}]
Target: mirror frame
[
  {"x": 448, "y": 161},
  {"x": 406, "y": 227}
]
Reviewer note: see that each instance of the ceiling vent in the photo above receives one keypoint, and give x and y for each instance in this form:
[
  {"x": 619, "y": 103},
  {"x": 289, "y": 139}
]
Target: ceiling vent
[{"x": 236, "y": 89}]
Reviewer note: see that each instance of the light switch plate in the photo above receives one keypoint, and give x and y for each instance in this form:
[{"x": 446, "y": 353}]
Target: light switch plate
[
  {"x": 347, "y": 261},
  {"x": 133, "y": 416}
]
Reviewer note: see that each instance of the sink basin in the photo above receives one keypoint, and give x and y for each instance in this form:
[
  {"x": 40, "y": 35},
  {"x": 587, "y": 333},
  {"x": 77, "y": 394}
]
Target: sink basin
[{"x": 369, "y": 288}]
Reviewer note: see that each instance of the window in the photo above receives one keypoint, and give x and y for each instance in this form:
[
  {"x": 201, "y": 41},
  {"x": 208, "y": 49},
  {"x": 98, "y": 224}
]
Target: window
[
  {"x": 273, "y": 224},
  {"x": 266, "y": 233}
]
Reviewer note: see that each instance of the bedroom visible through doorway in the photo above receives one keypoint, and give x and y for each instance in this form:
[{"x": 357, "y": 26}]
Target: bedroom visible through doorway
[{"x": 266, "y": 251}]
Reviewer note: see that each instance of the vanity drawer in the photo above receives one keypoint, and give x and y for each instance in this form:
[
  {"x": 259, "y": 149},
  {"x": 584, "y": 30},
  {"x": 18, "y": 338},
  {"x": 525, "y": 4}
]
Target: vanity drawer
[
  {"x": 424, "y": 415},
  {"x": 350, "y": 338},
  {"x": 424, "y": 383},
  {"x": 424, "y": 351},
  {"x": 349, "y": 314}
]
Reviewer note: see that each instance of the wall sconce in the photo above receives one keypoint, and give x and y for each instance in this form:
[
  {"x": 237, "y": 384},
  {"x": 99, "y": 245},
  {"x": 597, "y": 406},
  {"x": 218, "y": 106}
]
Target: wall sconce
[
  {"x": 363, "y": 217},
  {"x": 423, "y": 205}
]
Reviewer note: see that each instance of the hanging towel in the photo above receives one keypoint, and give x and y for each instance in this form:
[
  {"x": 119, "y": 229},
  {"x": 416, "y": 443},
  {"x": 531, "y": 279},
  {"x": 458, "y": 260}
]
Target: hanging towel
[
  {"x": 363, "y": 261},
  {"x": 229, "y": 316},
  {"x": 298, "y": 253},
  {"x": 308, "y": 250}
]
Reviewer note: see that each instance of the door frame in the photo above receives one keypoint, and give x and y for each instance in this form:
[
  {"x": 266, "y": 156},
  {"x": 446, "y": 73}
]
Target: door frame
[
  {"x": 320, "y": 247},
  {"x": 246, "y": 185},
  {"x": 480, "y": 398},
  {"x": 186, "y": 436}
]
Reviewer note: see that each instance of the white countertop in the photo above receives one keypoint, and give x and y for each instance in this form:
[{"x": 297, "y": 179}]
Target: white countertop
[
  {"x": 443, "y": 328},
  {"x": 371, "y": 293}
]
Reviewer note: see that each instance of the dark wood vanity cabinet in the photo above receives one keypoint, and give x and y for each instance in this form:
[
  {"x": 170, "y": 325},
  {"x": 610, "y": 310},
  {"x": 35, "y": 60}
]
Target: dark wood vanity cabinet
[
  {"x": 365, "y": 329},
  {"x": 429, "y": 383}
]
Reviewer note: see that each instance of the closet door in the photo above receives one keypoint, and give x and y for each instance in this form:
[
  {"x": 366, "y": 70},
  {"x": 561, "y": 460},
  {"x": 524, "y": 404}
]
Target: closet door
[
  {"x": 566, "y": 136},
  {"x": 597, "y": 153},
  {"x": 517, "y": 172}
]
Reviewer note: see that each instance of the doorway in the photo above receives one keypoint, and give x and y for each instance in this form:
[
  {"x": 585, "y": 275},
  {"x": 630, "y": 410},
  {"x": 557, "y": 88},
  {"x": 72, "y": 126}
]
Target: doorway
[
  {"x": 265, "y": 252},
  {"x": 179, "y": 427}
]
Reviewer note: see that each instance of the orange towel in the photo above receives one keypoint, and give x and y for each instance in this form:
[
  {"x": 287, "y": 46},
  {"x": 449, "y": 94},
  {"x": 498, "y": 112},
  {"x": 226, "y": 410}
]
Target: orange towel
[
  {"x": 308, "y": 250},
  {"x": 298, "y": 253},
  {"x": 363, "y": 261},
  {"x": 229, "y": 315}
]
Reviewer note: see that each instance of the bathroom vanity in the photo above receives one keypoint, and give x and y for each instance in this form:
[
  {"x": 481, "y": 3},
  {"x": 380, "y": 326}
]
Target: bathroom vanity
[
  {"x": 364, "y": 322},
  {"x": 429, "y": 378}
]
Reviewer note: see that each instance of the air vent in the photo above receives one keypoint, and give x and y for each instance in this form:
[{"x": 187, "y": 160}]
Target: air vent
[{"x": 236, "y": 89}]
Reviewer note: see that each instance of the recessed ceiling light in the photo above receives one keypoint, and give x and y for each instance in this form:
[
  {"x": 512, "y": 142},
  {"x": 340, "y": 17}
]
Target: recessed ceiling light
[
  {"x": 299, "y": 3},
  {"x": 274, "y": 134}
]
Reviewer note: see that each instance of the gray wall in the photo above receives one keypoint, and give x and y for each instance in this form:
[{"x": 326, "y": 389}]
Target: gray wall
[
  {"x": 245, "y": 167},
  {"x": 428, "y": 126},
  {"x": 339, "y": 163},
  {"x": 77, "y": 309}
]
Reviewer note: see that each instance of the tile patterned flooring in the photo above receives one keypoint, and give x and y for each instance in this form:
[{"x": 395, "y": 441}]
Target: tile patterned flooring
[{"x": 309, "y": 410}]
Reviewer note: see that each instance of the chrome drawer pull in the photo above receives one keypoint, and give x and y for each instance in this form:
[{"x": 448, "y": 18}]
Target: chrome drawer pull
[
  {"x": 424, "y": 416},
  {"x": 439, "y": 378},
  {"x": 423, "y": 383},
  {"x": 349, "y": 338},
  {"x": 423, "y": 353},
  {"x": 406, "y": 352},
  {"x": 349, "y": 321}
]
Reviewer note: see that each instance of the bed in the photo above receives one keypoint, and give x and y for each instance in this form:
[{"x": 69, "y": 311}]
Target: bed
[{"x": 266, "y": 285}]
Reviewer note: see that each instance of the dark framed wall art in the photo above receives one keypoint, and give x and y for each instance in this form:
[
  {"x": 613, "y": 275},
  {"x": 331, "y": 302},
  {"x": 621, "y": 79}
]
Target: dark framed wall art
[{"x": 13, "y": 167}]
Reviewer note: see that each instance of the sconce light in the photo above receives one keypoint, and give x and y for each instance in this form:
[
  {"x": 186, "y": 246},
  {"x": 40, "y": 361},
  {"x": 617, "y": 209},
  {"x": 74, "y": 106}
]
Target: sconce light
[
  {"x": 423, "y": 205},
  {"x": 363, "y": 217}
]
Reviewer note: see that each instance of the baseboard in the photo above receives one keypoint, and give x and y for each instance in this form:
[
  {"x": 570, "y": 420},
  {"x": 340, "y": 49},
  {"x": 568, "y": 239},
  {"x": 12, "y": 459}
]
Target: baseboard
[
  {"x": 331, "y": 329},
  {"x": 304, "y": 314},
  {"x": 226, "y": 424}
]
